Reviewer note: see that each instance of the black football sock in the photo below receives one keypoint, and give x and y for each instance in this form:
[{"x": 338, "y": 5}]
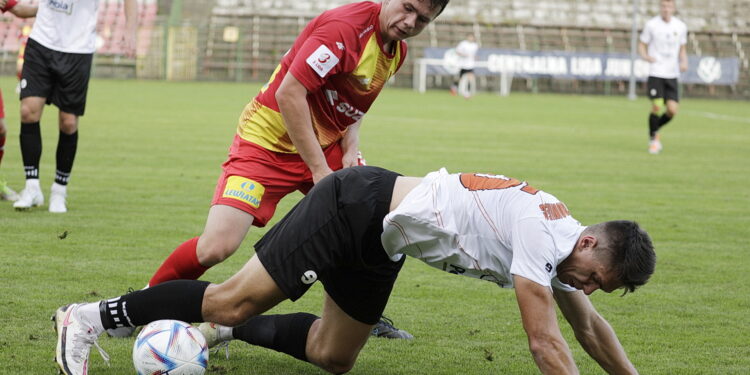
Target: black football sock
[
  {"x": 664, "y": 119},
  {"x": 2, "y": 147},
  {"x": 178, "y": 299},
  {"x": 283, "y": 333},
  {"x": 31, "y": 148},
  {"x": 653, "y": 125},
  {"x": 66, "y": 153}
]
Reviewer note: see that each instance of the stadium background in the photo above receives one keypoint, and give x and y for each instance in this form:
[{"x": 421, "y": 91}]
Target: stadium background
[
  {"x": 148, "y": 163},
  {"x": 243, "y": 40}
]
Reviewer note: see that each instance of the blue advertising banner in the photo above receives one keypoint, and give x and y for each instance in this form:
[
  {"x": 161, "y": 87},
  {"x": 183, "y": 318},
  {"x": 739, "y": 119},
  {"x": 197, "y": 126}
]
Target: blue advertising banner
[{"x": 577, "y": 65}]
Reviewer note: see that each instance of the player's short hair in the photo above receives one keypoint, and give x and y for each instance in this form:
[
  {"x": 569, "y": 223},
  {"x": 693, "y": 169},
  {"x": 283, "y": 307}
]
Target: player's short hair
[
  {"x": 439, "y": 3},
  {"x": 630, "y": 251}
]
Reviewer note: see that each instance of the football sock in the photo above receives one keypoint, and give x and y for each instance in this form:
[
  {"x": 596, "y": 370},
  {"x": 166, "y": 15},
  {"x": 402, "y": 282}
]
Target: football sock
[
  {"x": 66, "y": 153},
  {"x": 31, "y": 148},
  {"x": 653, "y": 125},
  {"x": 181, "y": 264},
  {"x": 664, "y": 119},
  {"x": 2, "y": 147},
  {"x": 283, "y": 333},
  {"x": 178, "y": 299}
]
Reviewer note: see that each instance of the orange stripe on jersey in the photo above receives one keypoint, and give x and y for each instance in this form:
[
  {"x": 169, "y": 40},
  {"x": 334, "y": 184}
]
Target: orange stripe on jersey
[
  {"x": 479, "y": 181},
  {"x": 554, "y": 211}
]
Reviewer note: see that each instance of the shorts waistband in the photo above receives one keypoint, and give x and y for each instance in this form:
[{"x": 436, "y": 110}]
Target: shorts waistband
[{"x": 385, "y": 190}]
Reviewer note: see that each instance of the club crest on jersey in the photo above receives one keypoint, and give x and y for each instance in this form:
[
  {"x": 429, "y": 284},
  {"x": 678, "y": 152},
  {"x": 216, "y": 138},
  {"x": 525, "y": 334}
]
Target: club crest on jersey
[
  {"x": 322, "y": 60},
  {"x": 244, "y": 190}
]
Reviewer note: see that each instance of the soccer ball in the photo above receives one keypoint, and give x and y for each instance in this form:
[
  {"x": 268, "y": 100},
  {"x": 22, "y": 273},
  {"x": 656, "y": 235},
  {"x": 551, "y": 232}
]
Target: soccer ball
[{"x": 170, "y": 347}]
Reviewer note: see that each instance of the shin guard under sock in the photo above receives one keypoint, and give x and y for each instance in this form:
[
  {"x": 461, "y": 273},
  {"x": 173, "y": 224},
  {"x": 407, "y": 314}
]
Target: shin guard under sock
[
  {"x": 66, "y": 153},
  {"x": 283, "y": 333},
  {"x": 181, "y": 264},
  {"x": 31, "y": 148},
  {"x": 2, "y": 147},
  {"x": 179, "y": 299},
  {"x": 664, "y": 119}
]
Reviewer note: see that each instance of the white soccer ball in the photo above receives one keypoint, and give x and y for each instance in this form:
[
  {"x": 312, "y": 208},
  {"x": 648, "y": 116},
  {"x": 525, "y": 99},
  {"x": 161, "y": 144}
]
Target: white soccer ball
[{"x": 170, "y": 347}]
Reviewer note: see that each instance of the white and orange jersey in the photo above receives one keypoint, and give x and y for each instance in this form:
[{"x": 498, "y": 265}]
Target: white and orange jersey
[{"x": 485, "y": 226}]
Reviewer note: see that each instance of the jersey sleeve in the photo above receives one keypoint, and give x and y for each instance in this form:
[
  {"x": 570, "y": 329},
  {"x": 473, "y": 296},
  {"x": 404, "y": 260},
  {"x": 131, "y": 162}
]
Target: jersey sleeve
[
  {"x": 559, "y": 285},
  {"x": 683, "y": 35},
  {"x": 323, "y": 54},
  {"x": 9, "y": 5},
  {"x": 533, "y": 252},
  {"x": 646, "y": 34}
]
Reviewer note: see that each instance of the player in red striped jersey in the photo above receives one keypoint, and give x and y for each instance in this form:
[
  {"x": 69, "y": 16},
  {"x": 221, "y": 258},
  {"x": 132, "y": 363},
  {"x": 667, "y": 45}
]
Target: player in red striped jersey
[{"x": 304, "y": 123}]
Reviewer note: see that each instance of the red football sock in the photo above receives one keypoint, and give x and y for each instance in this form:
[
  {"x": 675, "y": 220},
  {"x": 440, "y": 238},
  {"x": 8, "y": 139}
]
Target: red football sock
[{"x": 181, "y": 264}]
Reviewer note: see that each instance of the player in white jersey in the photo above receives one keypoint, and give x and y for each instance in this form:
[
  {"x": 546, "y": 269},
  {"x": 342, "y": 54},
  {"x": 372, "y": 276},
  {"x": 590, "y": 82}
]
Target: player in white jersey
[
  {"x": 350, "y": 232},
  {"x": 56, "y": 71},
  {"x": 662, "y": 44},
  {"x": 466, "y": 82}
]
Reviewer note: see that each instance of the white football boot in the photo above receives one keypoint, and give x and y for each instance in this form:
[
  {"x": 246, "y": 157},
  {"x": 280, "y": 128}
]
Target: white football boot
[
  {"x": 217, "y": 336},
  {"x": 31, "y": 196},
  {"x": 654, "y": 146},
  {"x": 75, "y": 335},
  {"x": 57, "y": 196},
  {"x": 6, "y": 193}
]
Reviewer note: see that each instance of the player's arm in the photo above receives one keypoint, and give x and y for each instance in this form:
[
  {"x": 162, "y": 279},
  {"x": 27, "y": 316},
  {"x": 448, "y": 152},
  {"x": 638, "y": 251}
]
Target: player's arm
[
  {"x": 683, "y": 58},
  {"x": 18, "y": 9},
  {"x": 593, "y": 332},
  {"x": 291, "y": 97},
  {"x": 643, "y": 52},
  {"x": 550, "y": 351},
  {"x": 131, "y": 26},
  {"x": 24, "y": 10},
  {"x": 350, "y": 145}
]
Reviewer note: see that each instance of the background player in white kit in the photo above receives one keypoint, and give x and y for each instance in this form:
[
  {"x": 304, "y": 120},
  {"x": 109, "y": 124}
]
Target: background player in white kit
[
  {"x": 466, "y": 82},
  {"x": 56, "y": 70},
  {"x": 662, "y": 44},
  {"x": 351, "y": 232}
]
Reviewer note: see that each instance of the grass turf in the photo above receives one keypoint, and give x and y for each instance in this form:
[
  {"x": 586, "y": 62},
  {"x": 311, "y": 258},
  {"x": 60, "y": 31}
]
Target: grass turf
[{"x": 149, "y": 156}]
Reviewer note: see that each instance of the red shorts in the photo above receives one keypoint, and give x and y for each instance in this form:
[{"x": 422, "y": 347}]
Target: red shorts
[
  {"x": 2, "y": 106},
  {"x": 255, "y": 179}
]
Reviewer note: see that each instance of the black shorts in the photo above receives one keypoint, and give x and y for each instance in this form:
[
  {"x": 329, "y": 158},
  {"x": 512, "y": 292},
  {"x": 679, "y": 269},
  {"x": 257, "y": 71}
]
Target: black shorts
[
  {"x": 333, "y": 235},
  {"x": 464, "y": 71},
  {"x": 663, "y": 88},
  {"x": 61, "y": 77}
]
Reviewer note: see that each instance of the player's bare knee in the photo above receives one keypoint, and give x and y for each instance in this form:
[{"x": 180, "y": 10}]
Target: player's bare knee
[
  {"x": 335, "y": 364},
  {"x": 29, "y": 113},
  {"x": 69, "y": 125},
  {"x": 214, "y": 250}
]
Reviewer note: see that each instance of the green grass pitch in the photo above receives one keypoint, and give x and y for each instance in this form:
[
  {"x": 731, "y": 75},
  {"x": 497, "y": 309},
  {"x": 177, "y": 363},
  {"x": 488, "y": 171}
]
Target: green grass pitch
[{"x": 149, "y": 156}]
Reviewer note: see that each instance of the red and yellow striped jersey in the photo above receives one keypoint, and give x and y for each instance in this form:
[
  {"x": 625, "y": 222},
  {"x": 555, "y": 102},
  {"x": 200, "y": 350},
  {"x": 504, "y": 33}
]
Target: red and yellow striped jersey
[{"x": 339, "y": 58}]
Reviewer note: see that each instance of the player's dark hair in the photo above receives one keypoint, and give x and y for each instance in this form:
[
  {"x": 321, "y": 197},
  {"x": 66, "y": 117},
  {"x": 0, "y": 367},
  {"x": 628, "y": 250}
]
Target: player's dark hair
[
  {"x": 630, "y": 251},
  {"x": 439, "y": 3}
]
